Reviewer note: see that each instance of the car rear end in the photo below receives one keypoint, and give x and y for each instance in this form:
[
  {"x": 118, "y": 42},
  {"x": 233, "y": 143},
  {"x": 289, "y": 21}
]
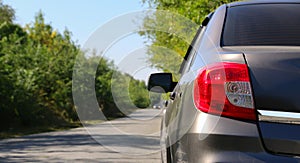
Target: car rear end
[
  {"x": 272, "y": 52},
  {"x": 243, "y": 106}
]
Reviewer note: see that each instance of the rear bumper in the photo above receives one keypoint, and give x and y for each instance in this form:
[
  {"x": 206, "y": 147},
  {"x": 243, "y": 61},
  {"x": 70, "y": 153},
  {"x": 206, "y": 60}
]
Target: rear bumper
[
  {"x": 223, "y": 148},
  {"x": 218, "y": 139}
]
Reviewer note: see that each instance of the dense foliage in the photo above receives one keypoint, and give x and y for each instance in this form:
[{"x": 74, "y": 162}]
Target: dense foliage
[
  {"x": 193, "y": 11},
  {"x": 36, "y": 71}
]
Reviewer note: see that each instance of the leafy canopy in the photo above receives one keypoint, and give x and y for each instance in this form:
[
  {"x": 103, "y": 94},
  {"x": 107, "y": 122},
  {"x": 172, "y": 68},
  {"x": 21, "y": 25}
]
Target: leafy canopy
[{"x": 176, "y": 47}]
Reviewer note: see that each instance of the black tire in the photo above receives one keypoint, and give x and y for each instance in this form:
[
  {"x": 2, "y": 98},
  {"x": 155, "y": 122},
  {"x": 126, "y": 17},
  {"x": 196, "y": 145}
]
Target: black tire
[{"x": 168, "y": 153}]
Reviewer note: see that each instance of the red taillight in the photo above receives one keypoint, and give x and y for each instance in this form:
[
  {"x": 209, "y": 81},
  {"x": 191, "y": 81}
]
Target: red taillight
[{"x": 224, "y": 89}]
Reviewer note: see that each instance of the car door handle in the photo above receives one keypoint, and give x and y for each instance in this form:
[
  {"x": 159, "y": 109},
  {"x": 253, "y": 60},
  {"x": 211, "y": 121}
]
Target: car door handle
[
  {"x": 166, "y": 103},
  {"x": 173, "y": 95}
]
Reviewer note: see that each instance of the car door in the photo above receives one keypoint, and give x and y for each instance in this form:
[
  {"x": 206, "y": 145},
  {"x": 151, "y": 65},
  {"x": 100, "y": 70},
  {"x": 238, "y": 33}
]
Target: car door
[{"x": 175, "y": 125}]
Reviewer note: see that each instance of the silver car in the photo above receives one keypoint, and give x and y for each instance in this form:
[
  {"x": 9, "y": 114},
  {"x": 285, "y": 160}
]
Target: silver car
[{"x": 238, "y": 98}]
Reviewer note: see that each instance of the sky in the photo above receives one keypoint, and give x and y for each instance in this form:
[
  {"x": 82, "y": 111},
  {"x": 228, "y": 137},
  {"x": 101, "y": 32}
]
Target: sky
[
  {"x": 81, "y": 17},
  {"x": 84, "y": 19}
]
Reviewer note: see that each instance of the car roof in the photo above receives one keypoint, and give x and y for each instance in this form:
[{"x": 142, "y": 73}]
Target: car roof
[{"x": 254, "y": 2}]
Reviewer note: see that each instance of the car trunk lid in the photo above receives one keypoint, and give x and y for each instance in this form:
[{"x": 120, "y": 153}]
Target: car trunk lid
[{"x": 275, "y": 78}]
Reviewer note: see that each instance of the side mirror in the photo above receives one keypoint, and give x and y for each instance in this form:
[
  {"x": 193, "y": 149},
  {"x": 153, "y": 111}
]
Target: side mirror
[{"x": 161, "y": 83}]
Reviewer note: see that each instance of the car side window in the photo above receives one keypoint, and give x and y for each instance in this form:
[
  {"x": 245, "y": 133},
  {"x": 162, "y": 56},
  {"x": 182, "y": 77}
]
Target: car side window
[{"x": 192, "y": 51}]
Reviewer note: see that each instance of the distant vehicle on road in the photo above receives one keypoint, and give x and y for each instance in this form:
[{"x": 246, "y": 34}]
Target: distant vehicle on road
[
  {"x": 238, "y": 98},
  {"x": 156, "y": 106}
]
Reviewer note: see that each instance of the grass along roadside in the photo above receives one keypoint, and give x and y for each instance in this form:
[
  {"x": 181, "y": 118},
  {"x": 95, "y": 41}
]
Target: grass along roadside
[{"x": 22, "y": 131}]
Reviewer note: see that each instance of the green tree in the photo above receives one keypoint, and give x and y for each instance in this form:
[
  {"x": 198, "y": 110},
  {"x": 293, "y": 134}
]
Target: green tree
[
  {"x": 118, "y": 94},
  {"x": 36, "y": 70},
  {"x": 138, "y": 93},
  {"x": 175, "y": 47},
  {"x": 53, "y": 56},
  {"x": 7, "y": 13}
]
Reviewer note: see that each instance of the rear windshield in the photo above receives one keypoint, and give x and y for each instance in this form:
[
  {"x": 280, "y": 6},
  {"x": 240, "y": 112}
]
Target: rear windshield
[{"x": 263, "y": 24}]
